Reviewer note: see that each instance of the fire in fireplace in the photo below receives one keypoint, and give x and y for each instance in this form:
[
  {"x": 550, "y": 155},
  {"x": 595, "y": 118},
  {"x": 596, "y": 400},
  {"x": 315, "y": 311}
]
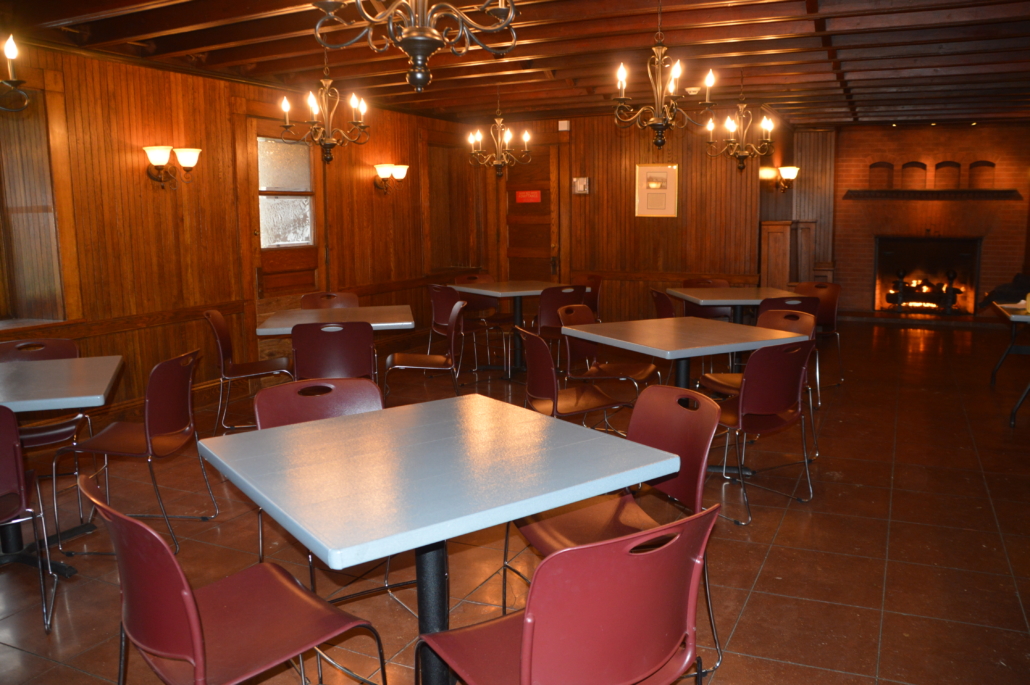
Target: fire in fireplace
[{"x": 927, "y": 274}]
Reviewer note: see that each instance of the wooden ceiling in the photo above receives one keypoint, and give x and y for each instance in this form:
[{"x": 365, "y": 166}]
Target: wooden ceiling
[{"x": 814, "y": 62}]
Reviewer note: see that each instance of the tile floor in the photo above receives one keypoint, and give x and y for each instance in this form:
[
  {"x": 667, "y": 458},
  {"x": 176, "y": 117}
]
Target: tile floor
[{"x": 911, "y": 565}]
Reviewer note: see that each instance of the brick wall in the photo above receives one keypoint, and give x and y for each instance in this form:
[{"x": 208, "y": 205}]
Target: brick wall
[{"x": 1002, "y": 224}]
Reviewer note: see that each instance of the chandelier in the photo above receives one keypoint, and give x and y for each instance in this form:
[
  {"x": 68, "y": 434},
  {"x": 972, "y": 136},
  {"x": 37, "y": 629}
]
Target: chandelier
[
  {"x": 21, "y": 99},
  {"x": 411, "y": 25},
  {"x": 665, "y": 113},
  {"x": 738, "y": 124},
  {"x": 502, "y": 156},
  {"x": 322, "y": 107}
]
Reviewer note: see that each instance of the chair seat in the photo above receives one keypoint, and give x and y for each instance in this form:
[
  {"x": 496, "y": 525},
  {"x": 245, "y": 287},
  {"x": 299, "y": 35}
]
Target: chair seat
[
  {"x": 51, "y": 433},
  {"x": 126, "y": 439},
  {"x": 593, "y": 520},
  {"x": 550, "y": 332},
  {"x": 254, "y": 619},
  {"x": 485, "y": 653},
  {"x": 258, "y": 368},
  {"x": 638, "y": 371},
  {"x": 722, "y": 383},
  {"x": 491, "y": 320},
  {"x": 413, "y": 360},
  {"x": 757, "y": 424},
  {"x": 578, "y": 400}
]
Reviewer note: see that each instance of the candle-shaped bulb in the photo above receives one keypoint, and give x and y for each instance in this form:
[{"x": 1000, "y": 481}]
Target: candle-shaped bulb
[
  {"x": 621, "y": 75},
  {"x": 312, "y": 104},
  {"x": 507, "y": 136},
  {"x": 677, "y": 70},
  {"x": 472, "y": 140},
  {"x": 286, "y": 111},
  {"x": 525, "y": 139},
  {"x": 10, "y": 49},
  {"x": 710, "y": 79},
  {"x": 767, "y": 127},
  {"x": 362, "y": 108},
  {"x": 354, "y": 101},
  {"x": 479, "y": 136},
  {"x": 711, "y": 125},
  {"x": 731, "y": 125}
]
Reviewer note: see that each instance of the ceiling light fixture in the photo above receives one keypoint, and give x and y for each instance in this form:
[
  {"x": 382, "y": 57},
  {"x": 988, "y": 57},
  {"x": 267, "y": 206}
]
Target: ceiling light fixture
[
  {"x": 321, "y": 132},
  {"x": 665, "y": 113},
  {"x": 411, "y": 25},
  {"x": 21, "y": 99},
  {"x": 738, "y": 124},
  {"x": 502, "y": 156}
]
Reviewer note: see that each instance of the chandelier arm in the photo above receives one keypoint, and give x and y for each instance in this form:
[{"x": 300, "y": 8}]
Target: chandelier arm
[
  {"x": 445, "y": 9},
  {"x": 336, "y": 46},
  {"x": 397, "y": 6},
  {"x": 14, "y": 88},
  {"x": 454, "y": 44},
  {"x": 637, "y": 118},
  {"x": 489, "y": 48},
  {"x": 387, "y": 42}
]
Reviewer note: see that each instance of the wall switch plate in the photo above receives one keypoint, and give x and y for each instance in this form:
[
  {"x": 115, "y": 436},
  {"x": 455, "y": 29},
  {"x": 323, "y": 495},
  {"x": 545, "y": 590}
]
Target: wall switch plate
[
  {"x": 581, "y": 185},
  {"x": 563, "y": 124}
]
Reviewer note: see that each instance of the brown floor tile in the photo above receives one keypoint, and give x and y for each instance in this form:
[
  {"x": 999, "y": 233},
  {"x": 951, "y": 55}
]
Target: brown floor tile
[
  {"x": 845, "y": 498},
  {"x": 853, "y": 471},
  {"x": 839, "y": 578},
  {"x": 833, "y": 636},
  {"x": 1013, "y": 517},
  {"x": 947, "y": 547},
  {"x": 738, "y": 669},
  {"x": 967, "y": 596},
  {"x": 971, "y": 513},
  {"x": 923, "y": 454},
  {"x": 734, "y": 564},
  {"x": 62, "y": 675},
  {"x": 728, "y": 603},
  {"x": 762, "y": 529},
  {"x": 1008, "y": 486},
  {"x": 938, "y": 480},
  {"x": 926, "y": 651},
  {"x": 805, "y": 529},
  {"x": 1018, "y": 548},
  {"x": 17, "y": 667}
]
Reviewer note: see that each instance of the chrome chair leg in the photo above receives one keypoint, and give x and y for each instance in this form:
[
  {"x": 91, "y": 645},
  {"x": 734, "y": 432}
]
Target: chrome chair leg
[
  {"x": 818, "y": 383},
  {"x": 711, "y": 621},
  {"x": 840, "y": 360},
  {"x": 44, "y": 550}
]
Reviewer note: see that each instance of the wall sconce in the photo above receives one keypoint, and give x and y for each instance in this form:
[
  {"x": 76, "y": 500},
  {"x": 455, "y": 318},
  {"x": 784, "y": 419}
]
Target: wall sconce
[
  {"x": 21, "y": 101},
  {"x": 786, "y": 177},
  {"x": 160, "y": 171},
  {"x": 386, "y": 172}
]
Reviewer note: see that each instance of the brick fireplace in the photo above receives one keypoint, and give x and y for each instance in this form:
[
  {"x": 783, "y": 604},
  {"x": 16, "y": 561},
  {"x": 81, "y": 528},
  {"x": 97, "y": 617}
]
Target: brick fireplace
[{"x": 943, "y": 182}]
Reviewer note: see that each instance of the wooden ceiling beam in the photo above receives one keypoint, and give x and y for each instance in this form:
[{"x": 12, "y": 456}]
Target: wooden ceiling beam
[{"x": 53, "y": 14}]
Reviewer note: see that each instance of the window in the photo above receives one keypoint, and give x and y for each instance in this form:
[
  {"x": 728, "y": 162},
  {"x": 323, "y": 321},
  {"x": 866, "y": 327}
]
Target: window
[{"x": 286, "y": 199}]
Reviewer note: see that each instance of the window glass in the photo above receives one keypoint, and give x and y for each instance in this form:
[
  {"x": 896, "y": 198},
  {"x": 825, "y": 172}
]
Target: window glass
[
  {"x": 283, "y": 166},
  {"x": 285, "y": 220},
  {"x": 285, "y": 195}
]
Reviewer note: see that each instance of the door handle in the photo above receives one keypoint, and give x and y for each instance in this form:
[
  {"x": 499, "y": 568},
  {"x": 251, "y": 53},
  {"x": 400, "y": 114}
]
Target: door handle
[{"x": 554, "y": 266}]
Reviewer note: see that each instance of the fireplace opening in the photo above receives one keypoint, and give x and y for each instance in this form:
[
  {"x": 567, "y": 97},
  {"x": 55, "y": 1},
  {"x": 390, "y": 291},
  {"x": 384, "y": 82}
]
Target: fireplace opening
[{"x": 927, "y": 274}]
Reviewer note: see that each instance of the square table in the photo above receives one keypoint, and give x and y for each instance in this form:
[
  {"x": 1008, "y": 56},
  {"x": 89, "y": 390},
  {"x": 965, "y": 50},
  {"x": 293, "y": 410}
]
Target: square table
[
  {"x": 1016, "y": 316},
  {"x": 516, "y": 290},
  {"x": 681, "y": 338},
  {"x": 365, "y": 486},
  {"x": 392, "y": 317},
  {"x": 737, "y": 298}
]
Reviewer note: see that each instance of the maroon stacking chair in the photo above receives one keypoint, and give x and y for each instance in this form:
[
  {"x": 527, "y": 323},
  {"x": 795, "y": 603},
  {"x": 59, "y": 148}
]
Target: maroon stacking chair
[
  {"x": 230, "y": 370},
  {"x": 579, "y": 350},
  {"x": 809, "y": 305},
  {"x": 16, "y": 486},
  {"x": 769, "y": 402},
  {"x": 450, "y": 361},
  {"x": 592, "y": 297},
  {"x": 328, "y": 300},
  {"x": 618, "y": 611},
  {"x": 691, "y": 309},
  {"x": 779, "y": 320},
  {"x": 167, "y": 427},
  {"x": 547, "y": 323},
  {"x": 826, "y": 319},
  {"x": 543, "y": 394},
  {"x": 485, "y": 312},
  {"x": 443, "y": 298},
  {"x": 663, "y": 304},
  {"x": 223, "y": 633},
  {"x": 667, "y": 418},
  {"x": 56, "y": 432},
  {"x": 334, "y": 350}
]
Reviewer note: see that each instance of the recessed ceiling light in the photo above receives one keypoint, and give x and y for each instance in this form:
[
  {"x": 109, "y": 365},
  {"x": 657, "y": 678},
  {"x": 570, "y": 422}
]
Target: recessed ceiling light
[
  {"x": 933, "y": 124},
  {"x": 973, "y": 124},
  {"x": 894, "y": 125}
]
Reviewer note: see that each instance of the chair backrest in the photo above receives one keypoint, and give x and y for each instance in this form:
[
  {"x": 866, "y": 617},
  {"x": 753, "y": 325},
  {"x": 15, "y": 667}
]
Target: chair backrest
[
  {"x": 809, "y": 305},
  {"x": 475, "y": 301},
  {"x": 552, "y": 299},
  {"x": 328, "y": 300},
  {"x": 442, "y": 298},
  {"x": 168, "y": 407},
  {"x": 222, "y": 337},
  {"x": 333, "y": 350},
  {"x": 322, "y": 398},
  {"x": 577, "y": 348},
  {"x": 159, "y": 612},
  {"x": 541, "y": 379},
  {"x": 706, "y": 283},
  {"x": 663, "y": 304},
  {"x": 39, "y": 349},
  {"x": 13, "y": 496},
  {"x": 592, "y": 297},
  {"x": 829, "y": 299},
  {"x": 773, "y": 378},
  {"x": 787, "y": 320},
  {"x": 683, "y": 422},
  {"x": 454, "y": 329},
  {"x": 617, "y": 611}
]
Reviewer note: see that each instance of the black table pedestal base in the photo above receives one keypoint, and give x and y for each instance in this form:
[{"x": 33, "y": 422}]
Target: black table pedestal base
[
  {"x": 14, "y": 551},
  {"x": 433, "y": 589}
]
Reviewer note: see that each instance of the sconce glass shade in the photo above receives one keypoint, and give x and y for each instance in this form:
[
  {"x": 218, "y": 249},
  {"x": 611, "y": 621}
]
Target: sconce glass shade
[
  {"x": 187, "y": 156},
  {"x": 400, "y": 171},
  {"x": 789, "y": 173},
  {"x": 385, "y": 170},
  {"x": 158, "y": 155}
]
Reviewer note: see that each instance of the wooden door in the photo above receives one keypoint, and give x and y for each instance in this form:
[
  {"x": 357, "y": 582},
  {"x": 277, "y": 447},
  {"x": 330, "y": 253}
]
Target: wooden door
[{"x": 532, "y": 235}]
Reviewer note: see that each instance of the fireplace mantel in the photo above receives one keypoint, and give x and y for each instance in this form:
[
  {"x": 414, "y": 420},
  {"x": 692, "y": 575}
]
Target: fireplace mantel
[{"x": 954, "y": 194}]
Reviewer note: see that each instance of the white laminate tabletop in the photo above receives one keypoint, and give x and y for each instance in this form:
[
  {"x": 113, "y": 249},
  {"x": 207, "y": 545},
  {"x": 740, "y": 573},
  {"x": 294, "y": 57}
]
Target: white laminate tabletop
[
  {"x": 681, "y": 337},
  {"x": 722, "y": 297},
  {"x": 58, "y": 383},
  {"x": 362, "y": 487},
  {"x": 1012, "y": 313},
  {"x": 507, "y": 288},
  {"x": 388, "y": 318}
]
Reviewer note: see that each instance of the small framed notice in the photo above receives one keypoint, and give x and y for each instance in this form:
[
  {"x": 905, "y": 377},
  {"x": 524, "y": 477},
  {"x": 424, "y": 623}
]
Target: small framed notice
[
  {"x": 523, "y": 196},
  {"x": 656, "y": 189}
]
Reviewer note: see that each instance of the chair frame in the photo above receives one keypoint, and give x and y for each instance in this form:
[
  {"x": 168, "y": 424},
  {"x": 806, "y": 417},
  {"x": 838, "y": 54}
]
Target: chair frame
[
  {"x": 829, "y": 306},
  {"x": 344, "y": 329},
  {"x": 579, "y": 314},
  {"x": 454, "y": 329}
]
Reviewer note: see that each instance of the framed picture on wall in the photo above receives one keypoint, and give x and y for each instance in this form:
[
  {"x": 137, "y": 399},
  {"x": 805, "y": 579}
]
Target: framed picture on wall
[{"x": 656, "y": 189}]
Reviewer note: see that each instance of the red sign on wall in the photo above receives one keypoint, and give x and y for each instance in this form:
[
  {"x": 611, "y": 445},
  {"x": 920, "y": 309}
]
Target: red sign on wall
[{"x": 522, "y": 196}]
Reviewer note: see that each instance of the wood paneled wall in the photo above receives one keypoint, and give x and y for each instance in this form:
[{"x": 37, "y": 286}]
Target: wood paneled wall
[{"x": 814, "y": 153}]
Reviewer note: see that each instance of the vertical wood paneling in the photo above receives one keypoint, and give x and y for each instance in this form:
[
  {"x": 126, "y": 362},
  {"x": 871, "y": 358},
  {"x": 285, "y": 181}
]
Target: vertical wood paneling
[{"x": 814, "y": 153}]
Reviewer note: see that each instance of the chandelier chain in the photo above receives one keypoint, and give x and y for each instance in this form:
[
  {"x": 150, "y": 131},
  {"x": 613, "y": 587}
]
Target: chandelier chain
[
  {"x": 659, "y": 37},
  {"x": 325, "y": 67}
]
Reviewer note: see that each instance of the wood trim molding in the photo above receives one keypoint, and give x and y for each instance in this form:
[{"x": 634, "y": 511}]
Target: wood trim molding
[
  {"x": 734, "y": 279},
  {"x": 955, "y": 194}
]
